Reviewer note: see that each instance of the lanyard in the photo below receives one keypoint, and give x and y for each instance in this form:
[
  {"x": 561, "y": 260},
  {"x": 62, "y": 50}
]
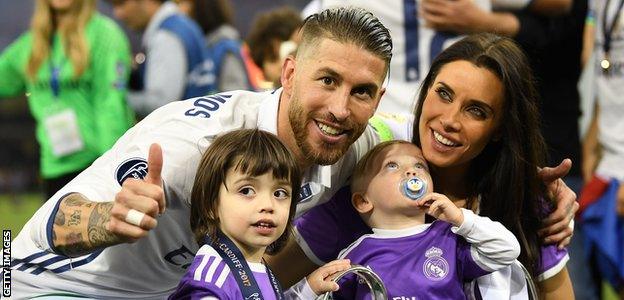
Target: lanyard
[
  {"x": 608, "y": 32},
  {"x": 55, "y": 74},
  {"x": 240, "y": 269}
]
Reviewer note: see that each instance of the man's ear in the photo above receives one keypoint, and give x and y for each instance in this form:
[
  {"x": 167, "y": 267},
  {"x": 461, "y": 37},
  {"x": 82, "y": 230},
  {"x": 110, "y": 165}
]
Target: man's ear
[
  {"x": 381, "y": 93},
  {"x": 288, "y": 73},
  {"x": 361, "y": 204}
]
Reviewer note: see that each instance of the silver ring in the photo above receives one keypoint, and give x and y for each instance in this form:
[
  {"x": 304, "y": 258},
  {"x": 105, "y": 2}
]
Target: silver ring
[{"x": 134, "y": 217}]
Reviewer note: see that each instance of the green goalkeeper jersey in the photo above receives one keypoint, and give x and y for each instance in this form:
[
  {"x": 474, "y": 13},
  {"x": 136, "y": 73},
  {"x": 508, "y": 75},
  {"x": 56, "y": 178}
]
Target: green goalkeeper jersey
[{"x": 78, "y": 118}]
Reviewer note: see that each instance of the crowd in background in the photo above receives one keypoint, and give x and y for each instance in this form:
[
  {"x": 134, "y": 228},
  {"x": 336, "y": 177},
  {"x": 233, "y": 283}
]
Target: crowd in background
[{"x": 85, "y": 87}]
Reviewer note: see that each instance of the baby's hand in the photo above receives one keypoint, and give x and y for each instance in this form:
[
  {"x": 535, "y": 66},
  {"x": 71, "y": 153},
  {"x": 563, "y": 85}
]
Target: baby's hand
[
  {"x": 321, "y": 279},
  {"x": 442, "y": 208}
]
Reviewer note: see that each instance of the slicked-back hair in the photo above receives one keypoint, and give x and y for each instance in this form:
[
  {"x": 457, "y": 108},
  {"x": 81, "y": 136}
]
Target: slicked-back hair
[
  {"x": 504, "y": 174},
  {"x": 362, "y": 174},
  {"x": 347, "y": 25},
  {"x": 249, "y": 151}
]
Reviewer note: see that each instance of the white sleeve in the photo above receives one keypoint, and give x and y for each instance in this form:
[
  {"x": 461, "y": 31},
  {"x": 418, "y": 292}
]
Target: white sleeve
[
  {"x": 165, "y": 74},
  {"x": 128, "y": 159},
  {"x": 301, "y": 290},
  {"x": 492, "y": 246}
]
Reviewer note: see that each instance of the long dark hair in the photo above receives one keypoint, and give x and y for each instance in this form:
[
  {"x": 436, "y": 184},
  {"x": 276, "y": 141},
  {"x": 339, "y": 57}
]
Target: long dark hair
[
  {"x": 504, "y": 174},
  {"x": 250, "y": 151}
]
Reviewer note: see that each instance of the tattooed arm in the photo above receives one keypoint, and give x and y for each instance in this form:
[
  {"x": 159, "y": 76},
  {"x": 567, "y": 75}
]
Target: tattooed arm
[{"x": 82, "y": 226}]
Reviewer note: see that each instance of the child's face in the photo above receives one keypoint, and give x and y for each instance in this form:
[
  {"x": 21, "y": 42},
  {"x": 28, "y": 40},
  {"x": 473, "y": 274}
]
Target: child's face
[
  {"x": 392, "y": 166},
  {"x": 253, "y": 211}
]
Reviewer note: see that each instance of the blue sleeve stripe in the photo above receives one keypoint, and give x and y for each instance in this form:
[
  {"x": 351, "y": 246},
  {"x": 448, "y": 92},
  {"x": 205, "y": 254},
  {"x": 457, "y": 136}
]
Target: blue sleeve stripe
[
  {"x": 50, "y": 225},
  {"x": 31, "y": 257},
  {"x": 76, "y": 264},
  {"x": 44, "y": 263}
]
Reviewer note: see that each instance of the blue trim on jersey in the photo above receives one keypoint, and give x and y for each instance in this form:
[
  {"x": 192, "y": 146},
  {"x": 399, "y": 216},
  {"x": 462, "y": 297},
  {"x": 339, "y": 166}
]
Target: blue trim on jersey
[
  {"x": 50, "y": 226},
  {"x": 412, "y": 68},
  {"x": 72, "y": 265},
  {"x": 437, "y": 43},
  {"x": 30, "y": 257},
  {"x": 41, "y": 266},
  {"x": 44, "y": 263}
]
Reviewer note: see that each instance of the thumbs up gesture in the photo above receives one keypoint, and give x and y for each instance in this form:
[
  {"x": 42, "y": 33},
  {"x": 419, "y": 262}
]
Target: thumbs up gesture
[{"x": 139, "y": 202}]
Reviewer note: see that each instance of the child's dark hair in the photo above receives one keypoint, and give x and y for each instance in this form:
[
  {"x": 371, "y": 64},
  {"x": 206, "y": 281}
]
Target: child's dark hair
[{"x": 250, "y": 151}]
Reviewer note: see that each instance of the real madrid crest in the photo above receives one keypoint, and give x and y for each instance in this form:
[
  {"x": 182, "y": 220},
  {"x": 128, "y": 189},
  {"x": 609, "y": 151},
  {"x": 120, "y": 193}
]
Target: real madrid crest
[{"x": 435, "y": 267}]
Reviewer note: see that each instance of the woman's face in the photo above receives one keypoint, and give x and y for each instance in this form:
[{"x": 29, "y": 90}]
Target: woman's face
[
  {"x": 61, "y": 5},
  {"x": 461, "y": 114}
]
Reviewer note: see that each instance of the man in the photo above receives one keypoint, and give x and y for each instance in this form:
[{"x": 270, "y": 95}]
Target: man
[
  {"x": 77, "y": 241},
  {"x": 173, "y": 65},
  {"x": 330, "y": 90}
]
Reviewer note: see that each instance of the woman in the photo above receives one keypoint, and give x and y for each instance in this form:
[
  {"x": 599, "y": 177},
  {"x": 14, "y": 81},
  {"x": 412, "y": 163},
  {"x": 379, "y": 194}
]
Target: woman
[
  {"x": 476, "y": 122},
  {"x": 73, "y": 65},
  {"x": 478, "y": 129}
]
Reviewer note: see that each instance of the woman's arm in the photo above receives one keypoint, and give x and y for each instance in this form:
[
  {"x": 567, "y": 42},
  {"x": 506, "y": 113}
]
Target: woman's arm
[
  {"x": 557, "y": 287},
  {"x": 12, "y": 81}
]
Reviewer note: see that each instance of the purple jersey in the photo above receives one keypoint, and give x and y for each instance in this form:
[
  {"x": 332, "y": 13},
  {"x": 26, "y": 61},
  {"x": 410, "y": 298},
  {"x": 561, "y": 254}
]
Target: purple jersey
[
  {"x": 209, "y": 276},
  {"x": 330, "y": 227},
  {"x": 424, "y": 262}
]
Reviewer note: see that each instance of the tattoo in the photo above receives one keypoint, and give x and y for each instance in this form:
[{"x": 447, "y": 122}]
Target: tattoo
[
  {"x": 97, "y": 233},
  {"x": 74, "y": 200},
  {"x": 74, "y": 219},
  {"x": 75, "y": 245},
  {"x": 59, "y": 219}
]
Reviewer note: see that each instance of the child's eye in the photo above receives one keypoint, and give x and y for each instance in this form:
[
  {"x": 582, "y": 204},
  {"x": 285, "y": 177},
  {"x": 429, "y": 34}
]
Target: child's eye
[
  {"x": 281, "y": 193},
  {"x": 420, "y": 166},
  {"x": 247, "y": 191},
  {"x": 392, "y": 165}
]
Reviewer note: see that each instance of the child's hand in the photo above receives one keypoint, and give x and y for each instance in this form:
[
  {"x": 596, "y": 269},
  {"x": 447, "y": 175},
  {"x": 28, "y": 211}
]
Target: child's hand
[
  {"x": 321, "y": 279},
  {"x": 442, "y": 208}
]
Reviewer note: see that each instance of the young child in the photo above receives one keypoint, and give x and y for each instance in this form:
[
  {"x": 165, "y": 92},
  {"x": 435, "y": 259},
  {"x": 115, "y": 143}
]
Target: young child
[
  {"x": 243, "y": 202},
  {"x": 392, "y": 191}
]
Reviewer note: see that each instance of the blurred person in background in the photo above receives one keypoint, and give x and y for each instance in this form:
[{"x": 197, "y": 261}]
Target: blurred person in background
[
  {"x": 172, "y": 65},
  {"x": 602, "y": 199},
  {"x": 223, "y": 41},
  {"x": 73, "y": 66},
  {"x": 273, "y": 36}
]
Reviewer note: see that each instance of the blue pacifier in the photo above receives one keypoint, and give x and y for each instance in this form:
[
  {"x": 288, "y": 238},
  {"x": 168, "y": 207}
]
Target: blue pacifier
[{"x": 413, "y": 188}]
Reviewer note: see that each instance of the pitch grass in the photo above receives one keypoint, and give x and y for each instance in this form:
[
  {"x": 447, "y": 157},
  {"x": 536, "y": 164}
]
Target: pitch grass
[{"x": 15, "y": 212}]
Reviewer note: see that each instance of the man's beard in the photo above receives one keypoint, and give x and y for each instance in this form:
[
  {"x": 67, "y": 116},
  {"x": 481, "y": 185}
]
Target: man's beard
[{"x": 325, "y": 154}]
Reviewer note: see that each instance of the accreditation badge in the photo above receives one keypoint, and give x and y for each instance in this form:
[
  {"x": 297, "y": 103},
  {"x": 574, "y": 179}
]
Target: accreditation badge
[{"x": 62, "y": 130}]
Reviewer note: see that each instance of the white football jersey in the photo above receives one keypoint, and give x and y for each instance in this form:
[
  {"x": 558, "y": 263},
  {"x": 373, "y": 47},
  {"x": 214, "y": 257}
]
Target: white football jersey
[{"x": 152, "y": 267}]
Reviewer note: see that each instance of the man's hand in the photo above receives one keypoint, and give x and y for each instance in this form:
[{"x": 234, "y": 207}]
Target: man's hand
[
  {"x": 459, "y": 16},
  {"x": 139, "y": 202},
  {"x": 82, "y": 226},
  {"x": 321, "y": 280},
  {"x": 557, "y": 227}
]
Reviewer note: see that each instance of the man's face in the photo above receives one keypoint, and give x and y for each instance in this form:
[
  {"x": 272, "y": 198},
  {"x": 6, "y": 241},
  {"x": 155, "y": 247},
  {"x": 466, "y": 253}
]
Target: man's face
[
  {"x": 132, "y": 13},
  {"x": 332, "y": 91}
]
